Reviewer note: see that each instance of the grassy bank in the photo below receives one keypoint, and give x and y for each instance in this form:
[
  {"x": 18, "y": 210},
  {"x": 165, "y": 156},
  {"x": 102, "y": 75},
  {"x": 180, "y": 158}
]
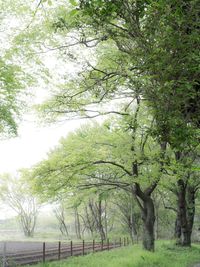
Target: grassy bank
[{"x": 166, "y": 255}]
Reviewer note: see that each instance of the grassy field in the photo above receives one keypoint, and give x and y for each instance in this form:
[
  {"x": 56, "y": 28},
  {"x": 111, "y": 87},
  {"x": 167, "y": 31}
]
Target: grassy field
[{"x": 166, "y": 255}]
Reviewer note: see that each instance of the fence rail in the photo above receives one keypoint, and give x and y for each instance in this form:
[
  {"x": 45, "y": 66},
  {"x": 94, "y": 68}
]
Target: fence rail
[{"x": 60, "y": 251}]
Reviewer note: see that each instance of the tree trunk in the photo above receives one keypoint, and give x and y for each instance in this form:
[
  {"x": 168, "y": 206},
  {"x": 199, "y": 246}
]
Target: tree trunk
[
  {"x": 60, "y": 215},
  {"x": 190, "y": 209},
  {"x": 182, "y": 210},
  {"x": 148, "y": 214},
  {"x": 177, "y": 232},
  {"x": 89, "y": 222},
  {"x": 156, "y": 223},
  {"x": 28, "y": 223},
  {"x": 77, "y": 224},
  {"x": 97, "y": 213},
  {"x": 148, "y": 217},
  {"x": 132, "y": 228},
  {"x": 185, "y": 213},
  {"x": 100, "y": 222}
]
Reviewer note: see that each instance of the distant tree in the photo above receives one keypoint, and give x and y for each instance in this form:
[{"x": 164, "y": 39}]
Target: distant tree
[
  {"x": 129, "y": 214},
  {"x": 15, "y": 193},
  {"x": 60, "y": 213},
  {"x": 97, "y": 211}
]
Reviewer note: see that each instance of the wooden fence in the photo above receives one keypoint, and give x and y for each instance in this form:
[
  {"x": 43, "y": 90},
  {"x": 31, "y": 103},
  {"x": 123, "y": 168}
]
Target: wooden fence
[{"x": 61, "y": 250}]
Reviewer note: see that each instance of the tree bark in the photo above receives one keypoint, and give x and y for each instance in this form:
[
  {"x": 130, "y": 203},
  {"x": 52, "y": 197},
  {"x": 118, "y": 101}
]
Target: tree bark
[
  {"x": 185, "y": 213},
  {"x": 100, "y": 223},
  {"x": 190, "y": 209},
  {"x": 177, "y": 232},
  {"x": 182, "y": 211},
  {"x": 132, "y": 227},
  {"x": 148, "y": 217}
]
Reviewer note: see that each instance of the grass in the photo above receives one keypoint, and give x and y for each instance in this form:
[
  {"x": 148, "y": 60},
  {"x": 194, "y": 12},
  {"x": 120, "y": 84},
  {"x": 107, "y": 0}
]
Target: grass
[{"x": 166, "y": 255}]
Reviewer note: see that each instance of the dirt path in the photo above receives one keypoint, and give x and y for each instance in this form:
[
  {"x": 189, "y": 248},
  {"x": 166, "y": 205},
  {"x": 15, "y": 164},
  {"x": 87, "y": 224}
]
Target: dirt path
[{"x": 15, "y": 247}]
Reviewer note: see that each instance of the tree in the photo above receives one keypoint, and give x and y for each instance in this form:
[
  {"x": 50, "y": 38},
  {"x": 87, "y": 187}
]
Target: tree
[
  {"x": 142, "y": 45},
  {"x": 60, "y": 213},
  {"x": 108, "y": 157},
  {"x": 130, "y": 215},
  {"x": 16, "y": 194},
  {"x": 185, "y": 188}
]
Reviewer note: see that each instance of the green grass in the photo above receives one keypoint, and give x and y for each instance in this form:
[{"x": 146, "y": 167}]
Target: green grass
[{"x": 166, "y": 255}]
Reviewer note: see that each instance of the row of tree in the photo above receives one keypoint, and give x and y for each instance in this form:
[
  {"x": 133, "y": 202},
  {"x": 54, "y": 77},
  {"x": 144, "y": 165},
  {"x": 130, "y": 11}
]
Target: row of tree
[
  {"x": 143, "y": 67},
  {"x": 101, "y": 157},
  {"x": 91, "y": 173},
  {"x": 93, "y": 213},
  {"x": 93, "y": 167}
]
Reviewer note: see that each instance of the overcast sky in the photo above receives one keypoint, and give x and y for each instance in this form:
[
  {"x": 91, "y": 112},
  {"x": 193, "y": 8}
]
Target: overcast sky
[
  {"x": 30, "y": 147},
  {"x": 32, "y": 144}
]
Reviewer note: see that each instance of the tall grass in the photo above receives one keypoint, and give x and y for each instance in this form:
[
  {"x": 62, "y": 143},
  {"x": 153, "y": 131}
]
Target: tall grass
[{"x": 166, "y": 255}]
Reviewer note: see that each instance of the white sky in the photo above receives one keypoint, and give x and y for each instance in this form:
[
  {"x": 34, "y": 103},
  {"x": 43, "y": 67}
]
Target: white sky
[{"x": 31, "y": 145}]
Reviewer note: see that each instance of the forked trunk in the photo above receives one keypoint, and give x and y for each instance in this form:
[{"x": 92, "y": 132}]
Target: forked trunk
[{"x": 148, "y": 214}]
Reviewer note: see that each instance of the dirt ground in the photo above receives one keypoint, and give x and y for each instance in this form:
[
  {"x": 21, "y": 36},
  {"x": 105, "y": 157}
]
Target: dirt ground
[{"x": 15, "y": 247}]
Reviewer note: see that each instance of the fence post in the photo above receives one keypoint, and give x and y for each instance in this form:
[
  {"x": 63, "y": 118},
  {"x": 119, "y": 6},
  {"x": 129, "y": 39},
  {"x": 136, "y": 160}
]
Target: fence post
[
  {"x": 43, "y": 252},
  {"x": 120, "y": 242},
  {"x": 124, "y": 241},
  {"x": 4, "y": 255},
  {"x": 127, "y": 241},
  {"x": 93, "y": 245},
  {"x": 71, "y": 248},
  {"x": 102, "y": 244},
  {"x": 83, "y": 247},
  {"x": 59, "y": 249},
  {"x": 108, "y": 247}
]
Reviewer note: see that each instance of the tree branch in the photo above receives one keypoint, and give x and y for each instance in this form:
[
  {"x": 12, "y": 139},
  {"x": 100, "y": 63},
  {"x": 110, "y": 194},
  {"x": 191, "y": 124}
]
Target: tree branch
[{"x": 114, "y": 164}]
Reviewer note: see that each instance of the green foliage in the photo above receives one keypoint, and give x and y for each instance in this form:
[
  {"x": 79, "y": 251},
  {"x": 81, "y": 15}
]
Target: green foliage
[
  {"x": 15, "y": 192},
  {"x": 14, "y": 78},
  {"x": 155, "y": 62},
  {"x": 98, "y": 154},
  {"x": 11, "y": 84}
]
